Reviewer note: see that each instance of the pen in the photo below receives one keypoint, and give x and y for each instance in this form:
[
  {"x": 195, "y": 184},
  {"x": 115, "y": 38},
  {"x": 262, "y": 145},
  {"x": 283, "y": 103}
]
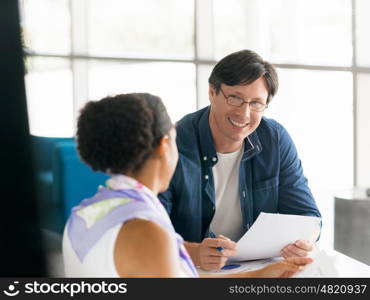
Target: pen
[
  {"x": 225, "y": 267},
  {"x": 230, "y": 266},
  {"x": 212, "y": 235}
]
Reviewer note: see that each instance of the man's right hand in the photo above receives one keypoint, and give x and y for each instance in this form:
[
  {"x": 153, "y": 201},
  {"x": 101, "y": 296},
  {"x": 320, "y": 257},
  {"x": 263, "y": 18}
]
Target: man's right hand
[{"x": 209, "y": 258}]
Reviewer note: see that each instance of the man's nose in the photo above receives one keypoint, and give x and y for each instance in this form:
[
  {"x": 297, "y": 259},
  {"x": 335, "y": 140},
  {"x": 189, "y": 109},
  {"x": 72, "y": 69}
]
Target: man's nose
[{"x": 245, "y": 109}]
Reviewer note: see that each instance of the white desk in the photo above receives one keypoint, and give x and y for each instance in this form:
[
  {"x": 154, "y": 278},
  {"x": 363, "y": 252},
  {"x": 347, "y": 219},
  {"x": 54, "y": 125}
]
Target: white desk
[
  {"x": 349, "y": 267},
  {"x": 345, "y": 265}
]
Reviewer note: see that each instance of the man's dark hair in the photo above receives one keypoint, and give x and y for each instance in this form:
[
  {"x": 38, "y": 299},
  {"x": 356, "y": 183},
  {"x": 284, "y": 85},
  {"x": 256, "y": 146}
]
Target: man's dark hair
[
  {"x": 118, "y": 134},
  {"x": 242, "y": 68}
]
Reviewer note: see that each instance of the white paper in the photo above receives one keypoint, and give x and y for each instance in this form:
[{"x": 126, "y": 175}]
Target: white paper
[
  {"x": 272, "y": 232},
  {"x": 322, "y": 266},
  {"x": 244, "y": 266}
]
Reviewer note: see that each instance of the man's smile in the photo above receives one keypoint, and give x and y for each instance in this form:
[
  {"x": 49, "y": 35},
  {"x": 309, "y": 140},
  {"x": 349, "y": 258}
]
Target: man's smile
[{"x": 237, "y": 124}]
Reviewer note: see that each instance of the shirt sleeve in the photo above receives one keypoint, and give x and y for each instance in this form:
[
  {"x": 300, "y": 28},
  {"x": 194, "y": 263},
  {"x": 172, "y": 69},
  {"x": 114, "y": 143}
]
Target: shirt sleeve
[{"x": 295, "y": 196}]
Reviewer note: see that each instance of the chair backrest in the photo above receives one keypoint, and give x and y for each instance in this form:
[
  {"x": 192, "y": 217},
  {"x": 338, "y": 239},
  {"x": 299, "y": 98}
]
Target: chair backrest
[
  {"x": 42, "y": 151},
  {"x": 42, "y": 158},
  {"x": 73, "y": 179}
]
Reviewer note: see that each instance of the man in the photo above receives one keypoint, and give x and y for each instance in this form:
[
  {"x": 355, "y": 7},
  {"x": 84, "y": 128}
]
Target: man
[{"x": 234, "y": 164}]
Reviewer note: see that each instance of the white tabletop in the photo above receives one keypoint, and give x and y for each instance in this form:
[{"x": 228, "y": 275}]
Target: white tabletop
[
  {"x": 345, "y": 266},
  {"x": 349, "y": 267}
]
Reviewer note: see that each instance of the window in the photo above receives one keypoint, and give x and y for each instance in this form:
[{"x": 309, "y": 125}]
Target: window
[
  {"x": 144, "y": 28},
  {"x": 49, "y": 96},
  {"x": 87, "y": 49},
  {"x": 174, "y": 82},
  {"x": 286, "y": 31},
  {"x": 47, "y": 26}
]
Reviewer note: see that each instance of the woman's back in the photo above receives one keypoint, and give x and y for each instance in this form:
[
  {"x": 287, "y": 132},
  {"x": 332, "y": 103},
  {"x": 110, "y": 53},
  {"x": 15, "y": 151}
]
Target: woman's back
[
  {"x": 99, "y": 261},
  {"x": 90, "y": 237}
]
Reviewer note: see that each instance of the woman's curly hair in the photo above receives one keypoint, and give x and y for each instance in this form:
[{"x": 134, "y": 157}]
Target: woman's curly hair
[{"x": 116, "y": 135}]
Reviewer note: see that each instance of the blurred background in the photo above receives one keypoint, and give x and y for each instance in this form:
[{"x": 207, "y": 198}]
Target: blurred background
[{"x": 82, "y": 50}]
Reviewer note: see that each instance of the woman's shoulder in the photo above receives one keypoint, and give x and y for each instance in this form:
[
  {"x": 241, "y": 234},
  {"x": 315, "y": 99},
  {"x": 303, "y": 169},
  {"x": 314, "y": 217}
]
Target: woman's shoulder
[
  {"x": 145, "y": 248},
  {"x": 146, "y": 231}
]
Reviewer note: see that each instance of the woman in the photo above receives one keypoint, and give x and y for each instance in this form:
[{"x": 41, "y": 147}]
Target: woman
[{"x": 124, "y": 230}]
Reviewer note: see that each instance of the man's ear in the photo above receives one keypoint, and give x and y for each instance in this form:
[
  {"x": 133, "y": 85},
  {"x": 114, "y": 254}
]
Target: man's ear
[
  {"x": 211, "y": 93},
  {"x": 163, "y": 146}
]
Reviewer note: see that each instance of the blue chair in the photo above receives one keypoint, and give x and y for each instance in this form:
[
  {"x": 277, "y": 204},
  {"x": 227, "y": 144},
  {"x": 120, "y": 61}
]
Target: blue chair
[
  {"x": 73, "y": 179},
  {"x": 42, "y": 157}
]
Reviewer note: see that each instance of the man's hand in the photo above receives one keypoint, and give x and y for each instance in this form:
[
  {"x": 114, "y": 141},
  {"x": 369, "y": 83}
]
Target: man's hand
[
  {"x": 298, "y": 249},
  {"x": 209, "y": 258}
]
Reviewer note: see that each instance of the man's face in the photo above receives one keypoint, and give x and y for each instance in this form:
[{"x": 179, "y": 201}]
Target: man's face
[{"x": 231, "y": 124}]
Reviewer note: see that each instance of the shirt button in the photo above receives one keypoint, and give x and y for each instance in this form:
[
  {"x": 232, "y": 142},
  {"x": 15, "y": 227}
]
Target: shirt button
[
  {"x": 206, "y": 177},
  {"x": 214, "y": 158},
  {"x": 205, "y": 158}
]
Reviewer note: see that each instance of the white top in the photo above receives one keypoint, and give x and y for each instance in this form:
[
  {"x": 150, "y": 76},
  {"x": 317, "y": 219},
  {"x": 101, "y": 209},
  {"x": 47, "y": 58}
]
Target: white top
[
  {"x": 99, "y": 260},
  {"x": 228, "y": 219}
]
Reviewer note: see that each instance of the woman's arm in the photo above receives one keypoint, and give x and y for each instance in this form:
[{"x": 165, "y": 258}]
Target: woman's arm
[
  {"x": 145, "y": 249},
  {"x": 284, "y": 268}
]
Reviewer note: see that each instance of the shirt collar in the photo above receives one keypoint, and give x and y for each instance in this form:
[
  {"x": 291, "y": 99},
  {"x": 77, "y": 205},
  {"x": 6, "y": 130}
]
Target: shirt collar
[
  {"x": 123, "y": 182},
  {"x": 252, "y": 144}
]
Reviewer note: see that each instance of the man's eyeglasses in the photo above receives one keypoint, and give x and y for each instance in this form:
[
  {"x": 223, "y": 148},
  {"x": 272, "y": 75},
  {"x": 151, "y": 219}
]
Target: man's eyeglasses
[{"x": 234, "y": 100}]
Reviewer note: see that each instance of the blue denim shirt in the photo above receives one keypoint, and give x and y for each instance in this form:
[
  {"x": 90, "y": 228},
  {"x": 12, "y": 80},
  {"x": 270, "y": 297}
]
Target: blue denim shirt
[{"x": 270, "y": 177}]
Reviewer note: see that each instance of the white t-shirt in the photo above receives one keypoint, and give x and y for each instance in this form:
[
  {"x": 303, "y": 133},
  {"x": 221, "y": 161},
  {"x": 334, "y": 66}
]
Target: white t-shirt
[{"x": 228, "y": 219}]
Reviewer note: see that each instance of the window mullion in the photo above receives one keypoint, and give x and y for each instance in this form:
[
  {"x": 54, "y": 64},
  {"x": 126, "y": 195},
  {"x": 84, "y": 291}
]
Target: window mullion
[
  {"x": 204, "y": 43},
  {"x": 79, "y": 35}
]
